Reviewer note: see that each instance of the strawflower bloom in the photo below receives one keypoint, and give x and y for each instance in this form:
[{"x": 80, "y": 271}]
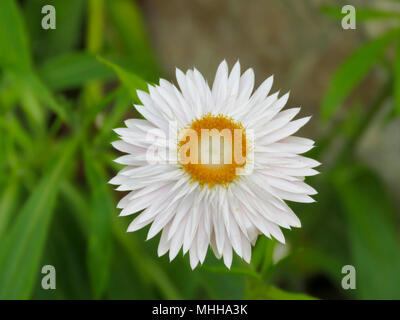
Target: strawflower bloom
[{"x": 213, "y": 166}]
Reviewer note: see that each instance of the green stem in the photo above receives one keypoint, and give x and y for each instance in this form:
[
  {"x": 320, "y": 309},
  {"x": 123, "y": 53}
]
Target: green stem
[
  {"x": 94, "y": 40},
  {"x": 268, "y": 257},
  {"x": 94, "y": 44}
]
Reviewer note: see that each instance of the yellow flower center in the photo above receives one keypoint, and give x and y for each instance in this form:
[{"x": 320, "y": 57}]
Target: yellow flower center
[{"x": 213, "y": 149}]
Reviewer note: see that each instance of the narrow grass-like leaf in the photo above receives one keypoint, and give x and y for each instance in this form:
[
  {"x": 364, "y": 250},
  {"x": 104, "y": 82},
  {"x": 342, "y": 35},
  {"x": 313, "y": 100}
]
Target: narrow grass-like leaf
[
  {"x": 45, "y": 96},
  {"x": 13, "y": 129},
  {"x": 122, "y": 105},
  {"x": 268, "y": 256},
  {"x": 274, "y": 293},
  {"x": 374, "y": 240},
  {"x": 325, "y": 262},
  {"x": 34, "y": 94},
  {"x": 66, "y": 251},
  {"x": 129, "y": 79},
  {"x": 98, "y": 107},
  {"x": 352, "y": 71},
  {"x": 30, "y": 103},
  {"x": 22, "y": 249},
  {"x": 95, "y": 26},
  {"x": 144, "y": 265},
  {"x": 127, "y": 19},
  {"x": 223, "y": 285},
  {"x": 8, "y": 203},
  {"x": 100, "y": 240},
  {"x": 146, "y": 268},
  {"x": 73, "y": 70},
  {"x": 258, "y": 253},
  {"x": 48, "y": 43},
  {"x": 14, "y": 47},
  {"x": 259, "y": 290},
  {"x": 232, "y": 270},
  {"x": 92, "y": 92}
]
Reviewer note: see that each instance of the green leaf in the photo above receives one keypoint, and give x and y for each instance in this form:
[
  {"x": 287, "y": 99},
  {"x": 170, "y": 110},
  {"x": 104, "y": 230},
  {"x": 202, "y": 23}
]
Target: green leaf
[
  {"x": 258, "y": 254},
  {"x": 73, "y": 70},
  {"x": 146, "y": 268},
  {"x": 98, "y": 107},
  {"x": 33, "y": 95},
  {"x": 352, "y": 71},
  {"x": 129, "y": 79},
  {"x": 121, "y": 106},
  {"x": 259, "y": 290},
  {"x": 397, "y": 81},
  {"x": 144, "y": 265},
  {"x": 30, "y": 103},
  {"x": 66, "y": 250},
  {"x": 127, "y": 20},
  {"x": 23, "y": 246},
  {"x": 274, "y": 293},
  {"x": 18, "y": 133},
  {"x": 95, "y": 26},
  {"x": 14, "y": 48},
  {"x": 353, "y": 121},
  {"x": 8, "y": 202},
  {"x": 268, "y": 256},
  {"x": 233, "y": 270},
  {"x": 8, "y": 91},
  {"x": 92, "y": 92},
  {"x": 40, "y": 91},
  {"x": 69, "y": 20},
  {"x": 223, "y": 285},
  {"x": 100, "y": 241},
  {"x": 323, "y": 261},
  {"x": 372, "y": 231}
]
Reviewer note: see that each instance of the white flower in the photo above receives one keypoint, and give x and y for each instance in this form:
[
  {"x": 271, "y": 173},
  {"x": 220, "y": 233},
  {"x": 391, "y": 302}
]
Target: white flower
[{"x": 225, "y": 205}]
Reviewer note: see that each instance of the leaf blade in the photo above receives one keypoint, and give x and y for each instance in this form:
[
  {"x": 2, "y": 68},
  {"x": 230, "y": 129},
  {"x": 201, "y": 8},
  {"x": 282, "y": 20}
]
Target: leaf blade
[
  {"x": 350, "y": 73},
  {"x": 22, "y": 248},
  {"x": 14, "y": 45},
  {"x": 374, "y": 241},
  {"x": 99, "y": 242},
  {"x": 129, "y": 79}
]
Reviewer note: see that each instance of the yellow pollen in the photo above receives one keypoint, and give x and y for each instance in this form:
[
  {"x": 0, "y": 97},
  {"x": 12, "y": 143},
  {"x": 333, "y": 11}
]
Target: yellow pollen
[{"x": 212, "y": 149}]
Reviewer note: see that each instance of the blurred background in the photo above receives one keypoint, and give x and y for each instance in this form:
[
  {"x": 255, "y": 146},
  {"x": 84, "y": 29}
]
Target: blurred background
[{"x": 62, "y": 92}]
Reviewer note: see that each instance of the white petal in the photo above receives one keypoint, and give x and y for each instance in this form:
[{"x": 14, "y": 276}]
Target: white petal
[
  {"x": 263, "y": 90},
  {"x": 227, "y": 255},
  {"x": 286, "y": 131},
  {"x": 177, "y": 241},
  {"x": 194, "y": 260},
  {"x": 164, "y": 244},
  {"x": 246, "y": 86},
  {"x": 219, "y": 89}
]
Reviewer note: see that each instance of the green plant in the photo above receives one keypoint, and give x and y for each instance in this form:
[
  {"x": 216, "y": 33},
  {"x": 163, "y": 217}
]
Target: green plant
[{"x": 58, "y": 105}]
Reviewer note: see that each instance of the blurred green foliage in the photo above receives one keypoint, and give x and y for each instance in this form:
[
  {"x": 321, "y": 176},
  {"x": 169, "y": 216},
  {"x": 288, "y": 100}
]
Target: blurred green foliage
[{"x": 59, "y": 101}]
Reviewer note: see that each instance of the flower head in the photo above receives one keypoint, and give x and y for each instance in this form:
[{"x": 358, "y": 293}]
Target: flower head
[{"x": 213, "y": 166}]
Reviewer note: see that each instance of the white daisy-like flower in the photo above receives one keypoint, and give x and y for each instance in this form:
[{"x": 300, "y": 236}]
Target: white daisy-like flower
[{"x": 225, "y": 204}]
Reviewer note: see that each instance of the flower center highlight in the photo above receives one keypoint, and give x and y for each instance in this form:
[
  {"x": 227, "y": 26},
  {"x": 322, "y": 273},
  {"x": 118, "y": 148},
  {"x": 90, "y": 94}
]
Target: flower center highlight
[{"x": 213, "y": 150}]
